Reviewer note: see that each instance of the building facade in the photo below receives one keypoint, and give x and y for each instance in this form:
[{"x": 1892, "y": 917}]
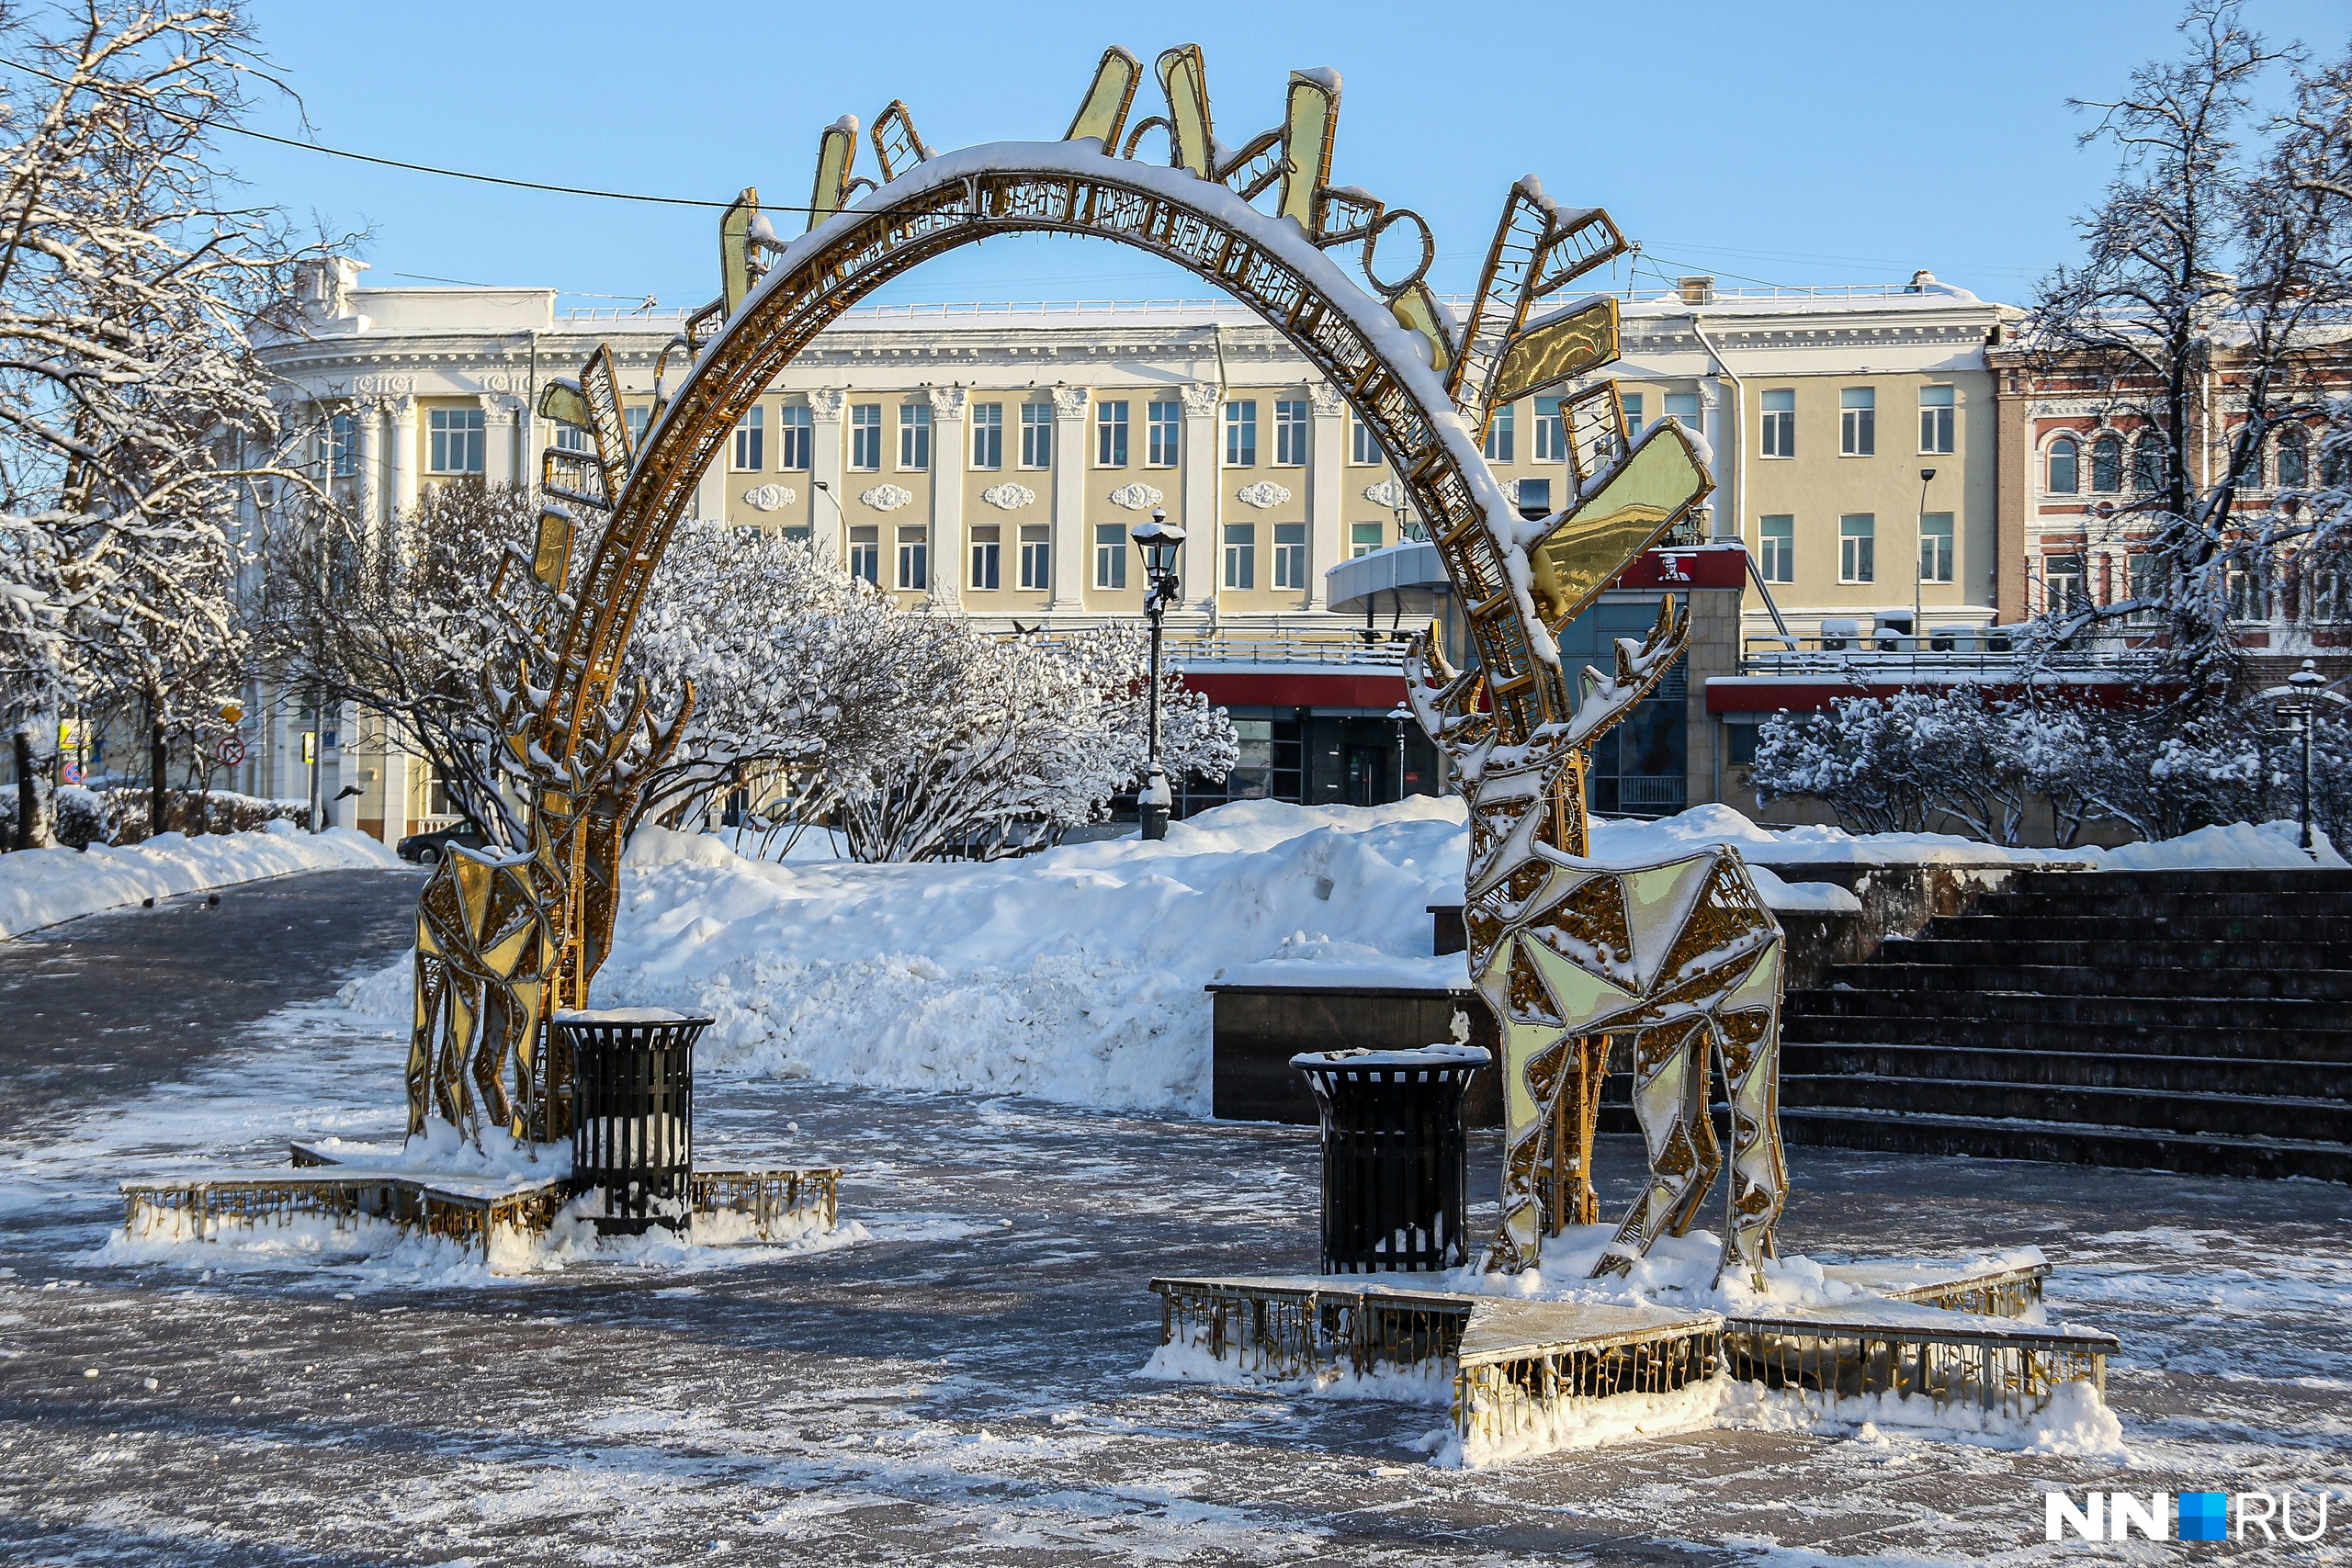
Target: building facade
[{"x": 994, "y": 458}]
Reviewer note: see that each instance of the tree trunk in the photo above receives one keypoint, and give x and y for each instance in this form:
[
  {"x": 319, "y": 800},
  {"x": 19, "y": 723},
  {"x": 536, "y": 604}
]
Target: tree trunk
[
  {"x": 159, "y": 805},
  {"x": 28, "y": 794}
]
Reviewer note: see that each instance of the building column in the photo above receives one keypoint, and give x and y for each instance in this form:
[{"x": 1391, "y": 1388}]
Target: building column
[
  {"x": 825, "y": 517},
  {"x": 1069, "y": 500},
  {"x": 1724, "y": 513},
  {"x": 393, "y": 776},
  {"x": 499, "y": 419},
  {"x": 403, "y": 455},
  {"x": 947, "y": 458},
  {"x": 368, "y": 413},
  {"x": 1204, "y": 472},
  {"x": 1325, "y": 492}
]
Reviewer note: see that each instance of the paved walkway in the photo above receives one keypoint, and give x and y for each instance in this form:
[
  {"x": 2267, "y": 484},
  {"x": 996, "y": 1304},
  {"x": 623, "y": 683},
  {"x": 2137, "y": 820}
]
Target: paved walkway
[{"x": 963, "y": 1385}]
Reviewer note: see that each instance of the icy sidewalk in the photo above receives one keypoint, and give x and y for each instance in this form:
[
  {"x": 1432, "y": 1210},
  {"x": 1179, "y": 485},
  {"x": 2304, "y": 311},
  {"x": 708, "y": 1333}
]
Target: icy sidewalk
[{"x": 968, "y": 1380}]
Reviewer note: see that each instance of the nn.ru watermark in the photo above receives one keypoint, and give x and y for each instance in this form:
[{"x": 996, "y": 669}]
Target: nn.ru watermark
[{"x": 2298, "y": 1517}]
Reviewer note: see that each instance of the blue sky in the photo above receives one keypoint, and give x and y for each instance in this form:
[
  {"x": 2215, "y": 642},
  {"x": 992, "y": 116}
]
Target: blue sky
[{"x": 1806, "y": 143}]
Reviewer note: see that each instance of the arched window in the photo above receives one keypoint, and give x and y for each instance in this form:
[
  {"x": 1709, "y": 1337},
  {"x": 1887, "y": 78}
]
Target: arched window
[
  {"x": 2106, "y": 465},
  {"x": 2336, "y": 462},
  {"x": 2147, "y": 462},
  {"x": 2065, "y": 455},
  {"x": 2256, "y": 468},
  {"x": 2294, "y": 459}
]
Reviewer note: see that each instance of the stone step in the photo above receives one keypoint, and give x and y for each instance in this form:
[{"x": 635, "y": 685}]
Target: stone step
[
  {"x": 2186, "y": 884},
  {"x": 2153, "y": 952},
  {"x": 2332, "y": 932},
  {"x": 2065, "y": 1143},
  {"x": 2049, "y": 981},
  {"x": 2230, "y": 1115},
  {"x": 2078, "y": 1068},
  {"x": 2316, "y": 1019},
  {"x": 2328, "y": 1042},
  {"x": 2220, "y": 901}
]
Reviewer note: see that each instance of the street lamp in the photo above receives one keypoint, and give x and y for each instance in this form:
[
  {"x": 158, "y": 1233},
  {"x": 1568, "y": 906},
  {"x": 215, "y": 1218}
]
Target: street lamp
[
  {"x": 1400, "y": 715},
  {"x": 1919, "y": 548},
  {"x": 2298, "y": 701},
  {"x": 1158, "y": 540}
]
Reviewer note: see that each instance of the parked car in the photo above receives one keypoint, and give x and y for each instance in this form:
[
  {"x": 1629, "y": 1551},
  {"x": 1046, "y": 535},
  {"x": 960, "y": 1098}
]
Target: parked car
[{"x": 433, "y": 847}]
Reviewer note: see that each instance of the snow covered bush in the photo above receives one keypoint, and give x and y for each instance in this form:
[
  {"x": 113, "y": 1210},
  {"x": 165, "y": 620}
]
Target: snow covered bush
[{"x": 922, "y": 734}]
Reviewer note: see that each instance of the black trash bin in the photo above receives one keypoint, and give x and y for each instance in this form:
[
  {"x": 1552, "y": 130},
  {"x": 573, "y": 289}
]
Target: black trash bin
[
  {"x": 1396, "y": 1158},
  {"x": 633, "y": 1113}
]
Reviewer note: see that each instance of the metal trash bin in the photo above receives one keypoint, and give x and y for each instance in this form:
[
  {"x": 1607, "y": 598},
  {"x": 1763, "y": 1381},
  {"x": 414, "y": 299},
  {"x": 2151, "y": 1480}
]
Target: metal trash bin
[
  {"x": 633, "y": 1113},
  {"x": 1395, "y": 1158}
]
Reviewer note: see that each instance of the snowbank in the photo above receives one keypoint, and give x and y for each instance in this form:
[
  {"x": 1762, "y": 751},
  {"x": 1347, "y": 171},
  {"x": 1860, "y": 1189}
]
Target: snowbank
[
  {"x": 2240, "y": 846},
  {"x": 40, "y": 887}
]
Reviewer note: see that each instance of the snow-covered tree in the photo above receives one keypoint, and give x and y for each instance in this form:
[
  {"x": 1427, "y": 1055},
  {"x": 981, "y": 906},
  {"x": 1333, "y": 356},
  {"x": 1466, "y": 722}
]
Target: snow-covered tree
[
  {"x": 132, "y": 411},
  {"x": 2207, "y": 319},
  {"x": 921, "y": 733}
]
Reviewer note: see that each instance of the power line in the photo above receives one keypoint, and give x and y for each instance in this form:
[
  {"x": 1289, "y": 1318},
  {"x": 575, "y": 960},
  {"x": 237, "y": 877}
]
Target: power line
[{"x": 401, "y": 163}]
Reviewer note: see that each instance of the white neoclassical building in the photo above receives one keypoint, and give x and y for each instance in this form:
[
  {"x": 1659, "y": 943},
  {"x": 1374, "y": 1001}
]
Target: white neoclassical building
[{"x": 994, "y": 458}]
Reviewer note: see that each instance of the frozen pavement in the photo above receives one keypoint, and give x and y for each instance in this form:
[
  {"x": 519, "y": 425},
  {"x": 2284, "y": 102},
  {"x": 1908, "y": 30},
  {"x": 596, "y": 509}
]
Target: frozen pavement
[{"x": 964, "y": 1383}]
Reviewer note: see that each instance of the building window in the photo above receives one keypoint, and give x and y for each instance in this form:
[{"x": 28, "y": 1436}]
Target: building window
[
  {"x": 1935, "y": 547},
  {"x": 988, "y": 435},
  {"x": 1633, "y": 402},
  {"x": 1682, "y": 408},
  {"x": 1936, "y": 405},
  {"x": 1110, "y": 555},
  {"x": 1164, "y": 433},
  {"x": 2249, "y": 597},
  {"x": 342, "y": 445},
  {"x": 866, "y": 553},
  {"x": 914, "y": 556},
  {"x": 1036, "y": 555},
  {"x": 1364, "y": 450},
  {"x": 2106, "y": 465},
  {"x": 986, "y": 547},
  {"x": 2148, "y": 464},
  {"x": 1857, "y": 422},
  {"x": 865, "y": 436},
  {"x": 2331, "y": 595},
  {"x": 1036, "y": 436},
  {"x": 914, "y": 437},
  {"x": 1534, "y": 497},
  {"x": 2140, "y": 568},
  {"x": 1363, "y": 538},
  {"x": 638, "y": 418},
  {"x": 1241, "y": 555},
  {"x": 1501, "y": 443},
  {"x": 1290, "y": 555},
  {"x": 1858, "y": 547},
  {"x": 1290, "y": 433},
  {"x": 2334, "y": 463},
  {"x": 1111, "y": 435},
  {"x": 2064, "y": 463},
  {"x": 1780, "y": 535},
  {"x": 2294, "y": 459},
  {"x": 791, "y": 437},
  {"x": 1241, "y": 434},
  {"x": 570, "y": 437},
  {"x": 1781, "y": 422},
  {"x": 751, "y": 443},
  {"x": 1551, "y": 432},
  {"x": 2061, "y": 583},
  {"x": 457, "y": 440}
]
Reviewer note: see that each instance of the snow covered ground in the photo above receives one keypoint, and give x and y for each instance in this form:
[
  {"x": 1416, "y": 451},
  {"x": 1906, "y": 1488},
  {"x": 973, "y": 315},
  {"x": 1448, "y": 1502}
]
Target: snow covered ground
[
  {"x": 966, "y": 1378},
  {"x": 1078, "y": 975},
  {"x": 42, "y": 888}
]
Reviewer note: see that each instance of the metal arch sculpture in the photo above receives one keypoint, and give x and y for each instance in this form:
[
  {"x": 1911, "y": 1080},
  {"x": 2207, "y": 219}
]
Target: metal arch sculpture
[{"x": 1686, "y": 972}]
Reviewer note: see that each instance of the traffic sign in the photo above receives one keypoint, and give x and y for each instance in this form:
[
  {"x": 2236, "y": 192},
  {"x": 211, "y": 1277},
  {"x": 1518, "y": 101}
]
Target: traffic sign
[{"x": 231, "y": 750}]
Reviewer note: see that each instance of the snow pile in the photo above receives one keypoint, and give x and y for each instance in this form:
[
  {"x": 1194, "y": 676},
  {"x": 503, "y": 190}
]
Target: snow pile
[
  {"x": 2240, "y": 846},
  {"x": 40, "y": 887}
]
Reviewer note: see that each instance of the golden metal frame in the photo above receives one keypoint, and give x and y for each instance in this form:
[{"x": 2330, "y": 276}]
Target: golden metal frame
[{"x": 503, "y": 960}]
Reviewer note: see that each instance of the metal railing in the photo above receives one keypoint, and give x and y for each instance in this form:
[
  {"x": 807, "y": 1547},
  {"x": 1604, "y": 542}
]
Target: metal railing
[
  {"x": 1886, "y": 654},
  {"x": 1378, "y": 648}
]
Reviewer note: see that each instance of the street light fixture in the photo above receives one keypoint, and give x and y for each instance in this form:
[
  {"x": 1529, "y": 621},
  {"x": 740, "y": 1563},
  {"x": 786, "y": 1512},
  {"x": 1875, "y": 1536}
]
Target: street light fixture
[
  {"x": 1160, "y": 541},
  {"x": 2299, "y": 702}
]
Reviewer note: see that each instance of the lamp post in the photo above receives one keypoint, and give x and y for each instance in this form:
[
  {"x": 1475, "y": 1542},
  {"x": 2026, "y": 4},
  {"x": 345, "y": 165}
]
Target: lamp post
[
  {"x": 1919, "y": 575},
  {"x": 1158, "y": 540},
  {"x": 1400, "y": 715},
  {"x": 2297, "y": 702}
]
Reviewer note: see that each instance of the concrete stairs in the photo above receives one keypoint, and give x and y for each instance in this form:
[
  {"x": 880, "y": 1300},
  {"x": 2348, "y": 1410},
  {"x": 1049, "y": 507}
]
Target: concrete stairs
[{"x": 2198, "y": 1021}]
